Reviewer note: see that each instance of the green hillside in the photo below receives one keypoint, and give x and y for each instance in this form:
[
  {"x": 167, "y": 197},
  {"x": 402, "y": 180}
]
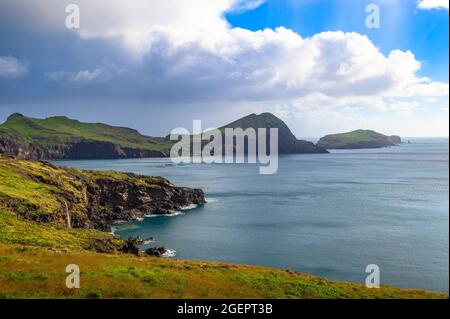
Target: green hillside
[
  {"x": 358, "y": 139},
  {"x": 31, "y": 272},
  {"x": 60, "y": 129}
]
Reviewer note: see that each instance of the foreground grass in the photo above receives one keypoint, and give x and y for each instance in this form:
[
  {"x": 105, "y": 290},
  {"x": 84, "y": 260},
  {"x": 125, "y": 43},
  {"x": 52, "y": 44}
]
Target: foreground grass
[
  {"x": 30, "y": 272},
  {"x": 14, "y": 230}
]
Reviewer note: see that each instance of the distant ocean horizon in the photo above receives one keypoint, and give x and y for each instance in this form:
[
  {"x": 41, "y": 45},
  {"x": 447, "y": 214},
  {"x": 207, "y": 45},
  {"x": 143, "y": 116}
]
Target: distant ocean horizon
[{"x": 326, "y": 214}]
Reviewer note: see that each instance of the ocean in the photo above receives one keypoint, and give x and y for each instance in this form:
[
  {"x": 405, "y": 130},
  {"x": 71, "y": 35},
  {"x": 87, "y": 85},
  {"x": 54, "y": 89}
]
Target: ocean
[{"x": 325, "y": 214}]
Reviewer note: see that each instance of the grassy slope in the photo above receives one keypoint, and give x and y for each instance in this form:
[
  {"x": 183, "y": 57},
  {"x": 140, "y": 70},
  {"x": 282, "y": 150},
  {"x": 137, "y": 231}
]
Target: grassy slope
[
  {"x": 36, "y": 189},
  {"x": 41, "y": 187},
  {"x": 62, "y": 129},
  {"x": 31, "y": 267},
  {"x": 14, "y": 230},
  {"x": 32, "y": 272}
]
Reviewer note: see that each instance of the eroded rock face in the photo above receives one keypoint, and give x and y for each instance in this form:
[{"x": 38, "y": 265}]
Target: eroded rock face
[
  {"x": 91, "y": 199},
  {"x": 81, "y": 149},
  {"x": 112, "y": 201}
]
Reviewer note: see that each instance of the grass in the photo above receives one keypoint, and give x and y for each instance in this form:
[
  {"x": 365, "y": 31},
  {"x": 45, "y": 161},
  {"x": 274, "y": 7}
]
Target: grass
[
  {"x": 60, "y": 129},
  {"x": 37, "y": 188},
  {"x": 35, "y": 272},
  {"x": 14, "y": 230},
  {"x": 352, "y": 138}
]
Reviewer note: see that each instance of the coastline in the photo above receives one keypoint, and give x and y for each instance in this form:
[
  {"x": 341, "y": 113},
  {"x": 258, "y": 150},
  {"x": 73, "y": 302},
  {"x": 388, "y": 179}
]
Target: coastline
[{"x": 408, "y": 293}]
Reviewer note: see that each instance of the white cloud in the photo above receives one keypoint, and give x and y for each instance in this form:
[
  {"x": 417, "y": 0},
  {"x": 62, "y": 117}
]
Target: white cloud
[
  {"x": 187, "y": 50},
  {"x": 87, "y": 75},
  {"x": 12, "y": 67},
  {"x": 98, "y": 74},
  {"x": 432, "y": 4}
]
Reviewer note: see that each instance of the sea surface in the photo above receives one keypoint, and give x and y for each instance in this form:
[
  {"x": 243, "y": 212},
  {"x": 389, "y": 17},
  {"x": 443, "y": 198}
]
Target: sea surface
[{"x": 326, "y": 214}]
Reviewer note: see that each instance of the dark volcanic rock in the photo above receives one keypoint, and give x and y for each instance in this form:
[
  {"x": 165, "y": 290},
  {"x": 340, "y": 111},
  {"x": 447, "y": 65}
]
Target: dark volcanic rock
[
  {"x": 156, "y": 251},
  {"x": 94, "y": 199},
  {"x": 132, "y": 246},
  {"x": 118, "y": 200}
]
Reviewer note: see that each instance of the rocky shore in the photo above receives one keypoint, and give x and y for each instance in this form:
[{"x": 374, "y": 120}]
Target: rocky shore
[{"x": 91, "y": 200}]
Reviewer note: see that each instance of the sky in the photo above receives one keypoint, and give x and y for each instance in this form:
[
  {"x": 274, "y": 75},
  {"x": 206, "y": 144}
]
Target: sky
[{"x": 157, "y": 65}]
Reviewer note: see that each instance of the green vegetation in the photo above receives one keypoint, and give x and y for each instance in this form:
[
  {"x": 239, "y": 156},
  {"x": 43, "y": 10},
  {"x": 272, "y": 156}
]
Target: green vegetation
[
  {"x": 60, "y": 129},
  {"x": 14, "y": 230},
  {"x": 27, "y": 272},
  {"x": 40, "y": 191},
  {"x": 33, "y": 196},
  {"x": 358, "y": 139}
]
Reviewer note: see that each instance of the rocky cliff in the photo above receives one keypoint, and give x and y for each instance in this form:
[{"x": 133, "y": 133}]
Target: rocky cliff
[
  {"x": 66, "y": 197},
  {"x": 63, "y": 138},
  {"x": 11, "y": 145}
]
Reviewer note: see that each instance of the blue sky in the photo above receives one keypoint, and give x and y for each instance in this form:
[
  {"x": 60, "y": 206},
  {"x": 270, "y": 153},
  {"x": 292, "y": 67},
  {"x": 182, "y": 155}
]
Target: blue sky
[
  {"x": 156, "y": 65},
  {"x": 403, "y": 26}
]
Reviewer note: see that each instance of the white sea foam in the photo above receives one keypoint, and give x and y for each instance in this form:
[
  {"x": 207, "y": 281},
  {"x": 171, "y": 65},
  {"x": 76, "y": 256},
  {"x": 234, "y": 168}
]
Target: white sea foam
[
  {"x": 211, "y": 200},
  {"x": 119, "y": 222},
  {"x": 170, "y": 253},
  {"x": 189, "y": 207},
  {"x": 148, "y": 241},
  {"x": 175, "y": 213}
]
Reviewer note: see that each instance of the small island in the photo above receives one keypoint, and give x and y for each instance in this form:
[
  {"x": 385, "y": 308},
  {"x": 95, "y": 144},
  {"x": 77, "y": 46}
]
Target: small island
[{"x": 358, "y": 139}]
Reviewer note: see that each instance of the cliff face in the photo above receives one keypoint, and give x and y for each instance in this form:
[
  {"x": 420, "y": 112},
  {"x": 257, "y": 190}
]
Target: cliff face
[
  {"x": 111, "y": 200},
  {"x": 63, "y": 138},
  {"x": 83, "y": 149},
  {"x": 72, "y": 198}
]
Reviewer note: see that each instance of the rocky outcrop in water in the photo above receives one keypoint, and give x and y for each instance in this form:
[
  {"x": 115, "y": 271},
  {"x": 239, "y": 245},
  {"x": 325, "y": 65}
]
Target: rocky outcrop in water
[
  {"x": 156, "y": 251},
  {"x": 75, "y": 198},
  {"x": 118, "y": 201}
]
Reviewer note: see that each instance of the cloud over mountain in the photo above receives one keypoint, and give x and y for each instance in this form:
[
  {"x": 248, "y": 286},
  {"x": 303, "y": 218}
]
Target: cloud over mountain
[{"x": 186, "y": 52}]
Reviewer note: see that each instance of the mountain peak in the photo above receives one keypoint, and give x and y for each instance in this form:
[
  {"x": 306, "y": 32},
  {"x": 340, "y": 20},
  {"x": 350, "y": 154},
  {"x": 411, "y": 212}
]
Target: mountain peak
[
  {"x": 15, "y": 116},
  {"x": 287, "y": 142}
]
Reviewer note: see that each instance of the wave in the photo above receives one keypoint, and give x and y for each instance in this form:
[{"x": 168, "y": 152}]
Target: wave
[
  {"x": 148, "y": 241},
  {"x": 189, "y": 207},
  {"x": 175, "y": 213},
  {"x": 211, "y": 200},
  {"x": 170, "y": 253}
]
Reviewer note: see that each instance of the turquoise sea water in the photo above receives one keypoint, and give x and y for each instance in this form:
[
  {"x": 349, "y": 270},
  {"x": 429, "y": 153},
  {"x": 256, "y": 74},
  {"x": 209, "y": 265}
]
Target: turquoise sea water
[{"x": 325, "y": 214}]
